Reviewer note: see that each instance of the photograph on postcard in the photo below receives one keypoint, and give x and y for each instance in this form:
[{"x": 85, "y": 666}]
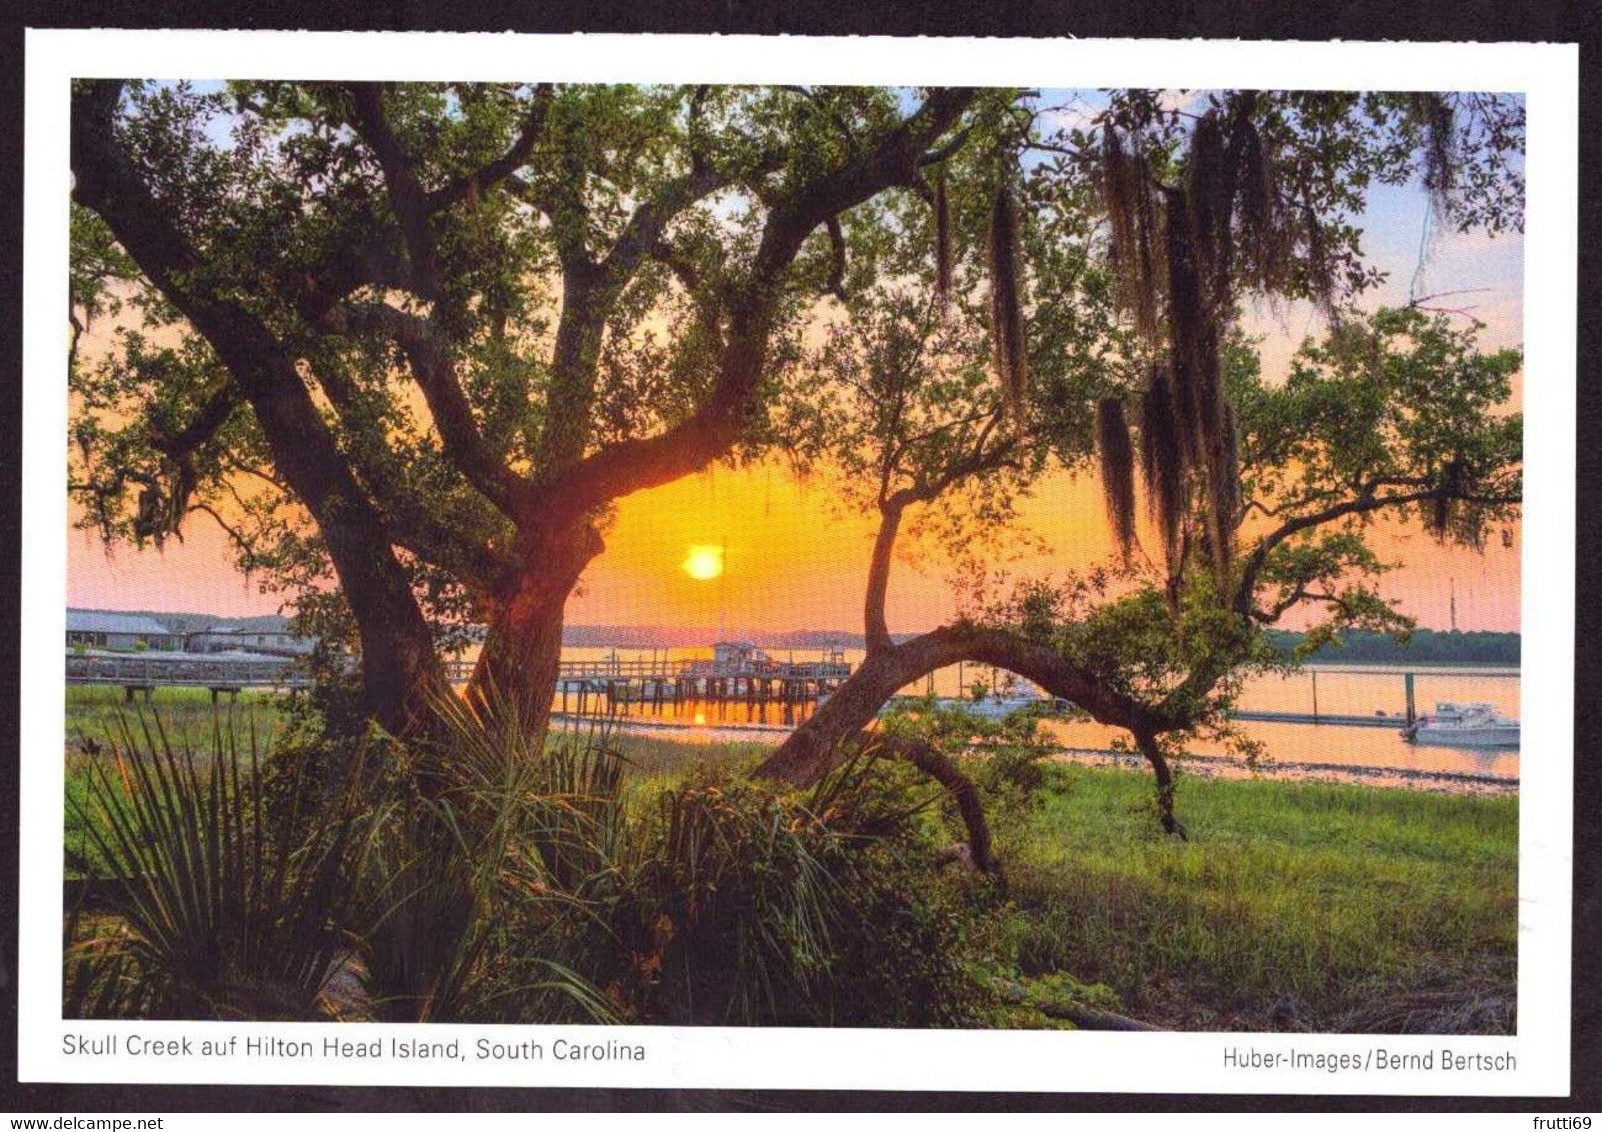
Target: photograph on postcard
[{"x": 793, "y": 555}]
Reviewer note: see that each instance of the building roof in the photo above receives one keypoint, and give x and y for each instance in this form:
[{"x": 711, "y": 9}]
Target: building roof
[
  {"x": 98, "y": 621},
  {"x": 248, "y": 631}
]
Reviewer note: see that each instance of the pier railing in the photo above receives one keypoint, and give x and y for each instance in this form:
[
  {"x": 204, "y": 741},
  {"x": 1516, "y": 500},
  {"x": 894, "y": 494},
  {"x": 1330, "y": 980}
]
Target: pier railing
[
  {"x": 663, "y": 669},
  {"x": 200, "y": 670},
  {"x": 211, "y": 670}
]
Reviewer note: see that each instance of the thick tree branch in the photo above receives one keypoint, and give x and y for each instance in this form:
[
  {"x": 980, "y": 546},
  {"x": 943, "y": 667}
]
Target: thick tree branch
[
  {"x": 648, "y": 223},
  {"x": 482, "y": 180},
  {"x": 717, "y": 421},
  {"x": 707, "y": 298},
  {"x": 1362, "y": 504},
  {"x": 406, "y": 195},
  {"x": 408, "y": 520},
  {"x": 589, "y": 293},
  {"x": 213, "y": 413},
  {"x": 434, "y": 368},
  {"x": 817, "y": 745},
  {"x": 396, "y": 644},
  {"x": 875, "y": 629},
  {"x": 837, "y": 260},
  {"x": 962, "y": 790}
]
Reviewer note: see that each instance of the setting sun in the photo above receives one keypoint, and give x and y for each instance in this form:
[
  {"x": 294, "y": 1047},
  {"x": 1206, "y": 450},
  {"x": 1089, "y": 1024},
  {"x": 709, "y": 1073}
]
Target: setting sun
[{"x": 704, "y": 563}]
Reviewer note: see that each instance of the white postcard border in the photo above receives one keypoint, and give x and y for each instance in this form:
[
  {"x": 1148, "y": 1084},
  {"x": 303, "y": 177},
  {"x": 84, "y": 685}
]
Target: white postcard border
[{"x": 802, "y": 1058}]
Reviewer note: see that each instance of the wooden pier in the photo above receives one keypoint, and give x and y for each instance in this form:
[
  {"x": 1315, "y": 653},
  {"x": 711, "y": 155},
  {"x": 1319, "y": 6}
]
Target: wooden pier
[
  {"x": 138, "y": 673},
  {"x": 1394, "y": 722},
  {"x": 581, "y": 685},
  {"x": 597, "y": 685}
]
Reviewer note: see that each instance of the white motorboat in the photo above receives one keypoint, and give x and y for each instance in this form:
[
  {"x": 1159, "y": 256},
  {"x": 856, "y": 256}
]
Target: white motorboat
[
  {"x": 1464, "y": 725},
  {"x": 999, "y": 705}
]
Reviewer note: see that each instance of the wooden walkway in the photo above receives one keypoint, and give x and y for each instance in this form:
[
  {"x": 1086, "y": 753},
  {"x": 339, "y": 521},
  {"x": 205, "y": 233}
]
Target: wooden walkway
[
  {"x": 145, "y": 672},
  {"x": 618, "y": 681},
  {"x": 1395, "y": 722},
  {"x": 589, "y": 684}
]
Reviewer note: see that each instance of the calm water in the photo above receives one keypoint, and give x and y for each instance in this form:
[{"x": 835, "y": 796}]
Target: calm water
[{"x": 1338, "y": 692}]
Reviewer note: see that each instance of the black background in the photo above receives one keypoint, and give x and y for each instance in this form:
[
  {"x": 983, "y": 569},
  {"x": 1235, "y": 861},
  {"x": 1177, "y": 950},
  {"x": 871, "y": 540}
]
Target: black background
[{"x": 1481, "y": 20}]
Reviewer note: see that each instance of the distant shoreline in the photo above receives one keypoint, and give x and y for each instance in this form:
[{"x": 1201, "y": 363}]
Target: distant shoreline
[
  {"x": 1202, "y": 765},
  {"x": 1476, "y": 648}
]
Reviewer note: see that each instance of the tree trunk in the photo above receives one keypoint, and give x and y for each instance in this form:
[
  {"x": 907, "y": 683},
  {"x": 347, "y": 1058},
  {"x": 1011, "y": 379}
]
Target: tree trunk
[
  {"x": 401, "y": 673},
  {"x": 515, "y": 678},
  {"x": 399, "y": 668},
  {"x": 962, "y": 790},
  {"x": 816, "y": 747},
  {"x": 875, "y": 629},
  {"x": 1146, "y": 741}
]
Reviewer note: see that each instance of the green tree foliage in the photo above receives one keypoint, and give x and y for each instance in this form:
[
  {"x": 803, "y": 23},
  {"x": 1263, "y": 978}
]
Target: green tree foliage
[
  {"x": 1197, "y": 203},
  {"x": 1397, "y": 415},
  {"x": 415, "y": 340}
]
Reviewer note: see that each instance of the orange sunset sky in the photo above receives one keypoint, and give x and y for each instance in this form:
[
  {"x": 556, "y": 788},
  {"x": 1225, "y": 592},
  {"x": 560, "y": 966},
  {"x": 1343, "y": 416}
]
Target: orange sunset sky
[{"x": 793, "y": 561}]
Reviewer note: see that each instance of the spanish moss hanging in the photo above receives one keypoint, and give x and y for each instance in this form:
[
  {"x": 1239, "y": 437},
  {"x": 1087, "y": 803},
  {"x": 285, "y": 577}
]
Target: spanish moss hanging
[
  {"x": 1006, "y": 304},
  {"x": 1117, "y": 458},
  {"x": 1162, "y": 463}
]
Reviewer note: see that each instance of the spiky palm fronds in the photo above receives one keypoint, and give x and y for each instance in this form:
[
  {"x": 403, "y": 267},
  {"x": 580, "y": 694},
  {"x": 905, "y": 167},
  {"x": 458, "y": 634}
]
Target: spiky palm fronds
[
  {"x": 521, "y": 836},
  {"x": 222, "y": 916},
  {"x": 1117, "y": 458},
  {"x": 1006, "y": 302}
]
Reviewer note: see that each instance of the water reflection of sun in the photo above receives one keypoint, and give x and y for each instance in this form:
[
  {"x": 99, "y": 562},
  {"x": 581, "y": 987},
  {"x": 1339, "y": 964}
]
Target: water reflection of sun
[{"x": 704, "y": 563}]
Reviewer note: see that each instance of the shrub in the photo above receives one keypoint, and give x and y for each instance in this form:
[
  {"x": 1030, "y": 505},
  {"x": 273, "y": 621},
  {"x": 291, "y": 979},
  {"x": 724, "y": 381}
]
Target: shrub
[
  {"x": 213, "y": 918},
  {"x": 751, "y": 906},
  {"x": 490, "y": 873}
]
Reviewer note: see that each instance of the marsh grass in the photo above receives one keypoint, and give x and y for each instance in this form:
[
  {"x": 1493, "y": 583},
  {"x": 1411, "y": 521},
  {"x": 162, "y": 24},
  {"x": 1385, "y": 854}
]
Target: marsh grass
[
  {"x": 615, "y": 876},
  {"x": 96, "y": 720},
  {"x": 1328, "y": 894},
  {"x": 93, "y": 712},
  {"x": 214, "y": 917}
]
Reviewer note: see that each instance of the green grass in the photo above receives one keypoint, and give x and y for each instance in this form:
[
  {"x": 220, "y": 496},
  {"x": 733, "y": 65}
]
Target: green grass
[
  {"x": 1325, "y": 893},
  {"x": 650, "y": 758},
  {"x": 186, "y": 714},
  {"x": 1369, "y": 908}
]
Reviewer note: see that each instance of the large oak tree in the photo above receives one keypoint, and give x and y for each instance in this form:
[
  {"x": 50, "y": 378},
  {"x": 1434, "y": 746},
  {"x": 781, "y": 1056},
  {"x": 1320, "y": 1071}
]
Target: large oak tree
[{"x": 454, "y": 323}]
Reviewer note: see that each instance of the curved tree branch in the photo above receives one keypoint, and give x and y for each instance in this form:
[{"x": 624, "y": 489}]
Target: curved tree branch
[
  {"x": 482, "y": 180},
  {"x": 817, "y": 745},
  {"x": 406, "y": 195},
  {"x": 1366, "y": 502},
  {"x": 717, "y": 421},
  {"x": 434, "y": 368}
]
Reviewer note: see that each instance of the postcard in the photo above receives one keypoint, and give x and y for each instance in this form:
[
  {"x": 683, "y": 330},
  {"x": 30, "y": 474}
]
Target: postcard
[{"x": 731, "y": 562}]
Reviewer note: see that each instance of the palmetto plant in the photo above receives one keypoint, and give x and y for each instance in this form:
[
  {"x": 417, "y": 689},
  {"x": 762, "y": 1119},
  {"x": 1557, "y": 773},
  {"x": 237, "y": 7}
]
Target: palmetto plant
[
  {"x": 210, "y": 914},
  {"x": 486, "y": 881}
]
